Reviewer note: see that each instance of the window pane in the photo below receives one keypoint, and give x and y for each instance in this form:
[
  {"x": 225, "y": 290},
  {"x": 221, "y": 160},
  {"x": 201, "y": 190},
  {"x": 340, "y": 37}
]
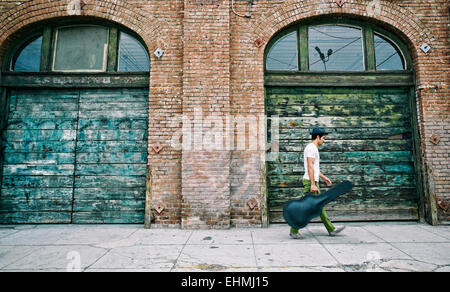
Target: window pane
[
  {"x": 132, "y": 55},
  {"x": 81, "y": 49},
  {"x": 283, "y": 54},
  {"x": 333, "y": 47},
  {"x": 387, "y": 55},
  {"x": 29, "y": 58}
]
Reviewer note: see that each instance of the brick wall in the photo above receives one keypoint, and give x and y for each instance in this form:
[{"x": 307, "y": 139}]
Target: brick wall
[
  {"x": 212, "y": 68},
  {"x": 206, "y": 93}
]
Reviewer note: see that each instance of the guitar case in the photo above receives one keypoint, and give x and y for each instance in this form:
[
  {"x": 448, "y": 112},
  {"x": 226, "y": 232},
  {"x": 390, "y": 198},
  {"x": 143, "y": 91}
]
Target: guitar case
[{"x": 299, "y": 212}]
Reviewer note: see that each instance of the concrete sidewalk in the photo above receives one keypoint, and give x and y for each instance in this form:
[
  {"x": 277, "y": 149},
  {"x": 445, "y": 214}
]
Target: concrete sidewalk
[{"x": 361, "y": 247}]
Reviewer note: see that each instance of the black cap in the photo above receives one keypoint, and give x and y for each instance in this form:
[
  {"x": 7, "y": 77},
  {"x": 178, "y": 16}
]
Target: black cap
[{"x": 318, "y": 130}]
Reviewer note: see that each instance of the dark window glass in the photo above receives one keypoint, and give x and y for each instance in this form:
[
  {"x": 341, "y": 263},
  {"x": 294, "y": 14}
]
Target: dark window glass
[
  {"x": 387, "y": 55},
  {"x": 284, "y": 54},
  {"x": 29, "y": 59},
  {"x": 132, "y": 55},
  {"x": 81, "y": 49},
  {"x": 335, "y": 47}
]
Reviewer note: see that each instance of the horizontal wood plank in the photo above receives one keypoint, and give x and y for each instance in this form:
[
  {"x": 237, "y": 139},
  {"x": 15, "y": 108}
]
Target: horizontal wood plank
[
  {"x": 112, "y": 135},
  {"x": 109, "y": 217},
  {"x": 40, "y": 147},
  {"x": 344, "y": 168},
  {"x": 40, "y": 135},
  {"x": 42, "y": 124},
  {"x": 348, "y": 145},
  {"x": 48, "y": 170},
  {"x": 75, "y": 80},
  {"x": 339, "y": 79},
  {"x": 111, "y": 158},
  {"x": 17, "y": 193},
  {"x": 116, "y": 95},
  {"x": 109, "y": 205},
  {"x": 111, "y": 146},
  {"x": 110, "y": 181},
  {"x": 37, "y": 181},
  {"x": 335, "y": 157},
  {"x": 36, "y": 217},
  {"x": 340, "y": 122},
  {"x": 125, "y": 123},
  {"x": 107, "y": 193},
  {"x": 344, "y": 110},
  {"x": 357, "y": 180},
  {"x": 111, "y": 169},
  {"x": 40, "y": 158},
  {"x": 348, "y": 133},
  {"x": 293, "y": 97},
  {"x": 41, "y": 205}
]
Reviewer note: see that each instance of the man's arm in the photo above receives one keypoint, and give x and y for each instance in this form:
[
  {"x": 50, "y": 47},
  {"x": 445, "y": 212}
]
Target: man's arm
[
  {"x": 310, "y": 161},
  {"x": 325, "y": 179}
]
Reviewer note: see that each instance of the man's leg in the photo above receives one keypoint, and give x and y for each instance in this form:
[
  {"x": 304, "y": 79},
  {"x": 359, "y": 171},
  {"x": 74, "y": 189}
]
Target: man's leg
[
  {"x": 323, "y": 215},
  {"x": 326, "y": 221}
]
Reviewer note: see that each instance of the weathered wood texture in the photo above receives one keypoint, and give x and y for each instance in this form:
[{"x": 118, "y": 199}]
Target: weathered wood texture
[
  {"x": 369, "y": 143},
  {"x": 340, "y": 79},
  {"x": 75, "y": 80},
  {"x": 75, "y": 156}
]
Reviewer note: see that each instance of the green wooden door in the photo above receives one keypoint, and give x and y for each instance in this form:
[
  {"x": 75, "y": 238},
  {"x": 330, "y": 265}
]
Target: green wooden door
[
  {"x": 370, "y": 144},
  {"x": 75, "y": 156},
  {"x": 110, "y": 172}
]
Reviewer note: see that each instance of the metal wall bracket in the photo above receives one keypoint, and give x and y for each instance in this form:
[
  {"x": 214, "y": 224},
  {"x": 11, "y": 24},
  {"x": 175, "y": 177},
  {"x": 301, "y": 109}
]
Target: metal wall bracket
[
  {"x": 258, "y": 42},
  {"x": 340, "y": 3},
  {"x": 158, "y": 53},
  {"x": 157, "y": 147},
  {"x": 159, "y": 207},
  {"x": 252, "y": 203},
  {"x": 435, "y": 139},
  {"x": 425, "y": 48},
  {"x": 443, "y": 204}
]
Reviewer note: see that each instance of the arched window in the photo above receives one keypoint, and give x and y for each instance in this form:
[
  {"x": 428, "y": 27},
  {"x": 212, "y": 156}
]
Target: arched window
[
  {"x": 81, "y": 48},
  {"x": 28, "y": 58},
  {"x": 388, "y": 55},
  {"x": 335, "y": 46},
  {"x": 132, "y": 55},
  {"x": 284, "y": 54}
]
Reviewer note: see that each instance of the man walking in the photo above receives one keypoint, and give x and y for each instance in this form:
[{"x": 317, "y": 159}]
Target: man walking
[{"x": 311, "y": 178}]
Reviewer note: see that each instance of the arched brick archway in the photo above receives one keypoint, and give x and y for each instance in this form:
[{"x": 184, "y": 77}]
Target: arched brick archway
[
  {"x": 149, "y": 29},
  {"x": 156, "y": 33},
  {"x": 386, "y": 14}
]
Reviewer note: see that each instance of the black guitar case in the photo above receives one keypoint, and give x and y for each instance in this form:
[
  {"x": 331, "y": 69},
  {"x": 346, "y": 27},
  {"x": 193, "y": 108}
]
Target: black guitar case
[{"x": 299, "y": 212}]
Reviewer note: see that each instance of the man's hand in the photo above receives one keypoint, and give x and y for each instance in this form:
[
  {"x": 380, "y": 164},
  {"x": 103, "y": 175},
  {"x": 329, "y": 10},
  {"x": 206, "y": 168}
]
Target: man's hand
[
  {"x": 327, "y": 181},
  {"x": 314, "y": 189}
]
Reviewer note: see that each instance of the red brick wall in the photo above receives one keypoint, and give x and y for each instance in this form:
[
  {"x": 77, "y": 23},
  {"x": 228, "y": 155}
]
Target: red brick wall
[
  {"x": 206, "y": 93},
  {"x": 211, "y": 63}
]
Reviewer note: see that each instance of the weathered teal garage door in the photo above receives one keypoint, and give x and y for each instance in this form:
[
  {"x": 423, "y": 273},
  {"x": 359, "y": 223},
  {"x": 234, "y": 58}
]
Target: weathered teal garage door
[
  {"x": 75, "y": 156},
  {"x": 370, "y": 144}
]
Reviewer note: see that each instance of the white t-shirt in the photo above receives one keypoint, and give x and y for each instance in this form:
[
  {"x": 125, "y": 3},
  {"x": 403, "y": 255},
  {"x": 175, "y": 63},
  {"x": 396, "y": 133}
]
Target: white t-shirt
[{"x": 312, "y": 151}]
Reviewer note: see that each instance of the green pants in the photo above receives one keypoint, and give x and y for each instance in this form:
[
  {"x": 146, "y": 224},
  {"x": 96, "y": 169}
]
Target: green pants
[{"x": 323, "y": 215}]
